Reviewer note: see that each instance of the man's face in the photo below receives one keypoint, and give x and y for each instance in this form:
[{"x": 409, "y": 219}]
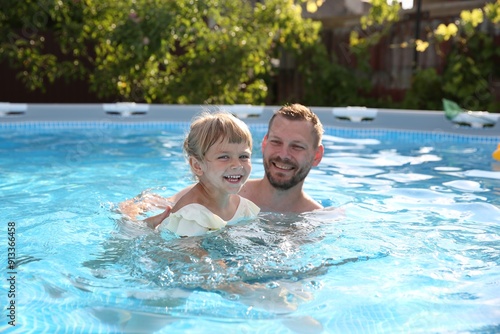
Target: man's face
[{"x": 289, "y": 153}]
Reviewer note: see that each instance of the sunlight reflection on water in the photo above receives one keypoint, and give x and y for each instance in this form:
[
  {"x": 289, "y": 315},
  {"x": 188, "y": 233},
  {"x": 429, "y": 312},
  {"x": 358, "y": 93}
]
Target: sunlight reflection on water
[{"x": 409, "y": 241}]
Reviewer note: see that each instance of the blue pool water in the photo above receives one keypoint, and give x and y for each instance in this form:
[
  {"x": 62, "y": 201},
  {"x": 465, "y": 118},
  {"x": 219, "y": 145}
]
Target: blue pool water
[{"x": 409, "y": 241}]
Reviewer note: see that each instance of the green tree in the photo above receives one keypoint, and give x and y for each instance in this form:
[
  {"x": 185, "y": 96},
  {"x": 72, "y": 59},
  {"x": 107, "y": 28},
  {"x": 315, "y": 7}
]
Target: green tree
[
  {"x": 26, "y": 27},
  {"x": 184, "y": 51},
  {"x": 426, "y": 91},
  {"x": 374, "y": 26},
  {"x": 471, "y": 62},
  {"x": 356, "y": 82},
  {"x": 469, "y": 66},
  {"x": 330, "y": 83}
]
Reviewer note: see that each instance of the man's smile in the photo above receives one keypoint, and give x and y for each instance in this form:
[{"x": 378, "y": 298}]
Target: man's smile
[{"x": 280, "y": 166}]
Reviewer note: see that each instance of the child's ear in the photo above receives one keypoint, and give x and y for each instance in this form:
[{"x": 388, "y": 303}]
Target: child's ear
[{"x": 196, "y": 166}]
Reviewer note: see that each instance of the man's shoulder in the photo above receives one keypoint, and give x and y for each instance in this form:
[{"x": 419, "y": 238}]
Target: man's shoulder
[
  {"x": 309, "y": 204},
  {"x": 252, "y": 183},
  {"x": 249, "y": 188}
]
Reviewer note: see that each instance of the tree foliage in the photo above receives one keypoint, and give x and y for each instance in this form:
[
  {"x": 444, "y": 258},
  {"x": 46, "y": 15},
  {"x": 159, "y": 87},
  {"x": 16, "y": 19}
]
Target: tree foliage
[
  {"x": 26, "y": 29},
  {"x": 228, "y": 51},
  {"x": 469, "y": 65},
  {"x": 472, "y": 61},
  {"x": 183, "y": 51},
  {"x": 374, "y": 25}
]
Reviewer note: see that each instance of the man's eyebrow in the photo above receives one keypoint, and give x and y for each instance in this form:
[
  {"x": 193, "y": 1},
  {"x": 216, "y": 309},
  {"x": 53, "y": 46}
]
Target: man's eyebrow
[
  {"x": 299, "y": 142},
  {"x": 293, "y": 141}
]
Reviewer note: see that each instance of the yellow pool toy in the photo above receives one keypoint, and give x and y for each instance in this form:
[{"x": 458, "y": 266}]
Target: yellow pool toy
[{"x": 496, "y": 153}]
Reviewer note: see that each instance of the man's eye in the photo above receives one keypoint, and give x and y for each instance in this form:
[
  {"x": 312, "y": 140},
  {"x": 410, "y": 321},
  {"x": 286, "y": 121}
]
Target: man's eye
[{"x": 298, "y": 148}]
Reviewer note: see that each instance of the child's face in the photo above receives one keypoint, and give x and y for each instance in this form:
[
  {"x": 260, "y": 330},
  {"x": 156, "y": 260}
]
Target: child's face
[{"x": 226, "y": 166}]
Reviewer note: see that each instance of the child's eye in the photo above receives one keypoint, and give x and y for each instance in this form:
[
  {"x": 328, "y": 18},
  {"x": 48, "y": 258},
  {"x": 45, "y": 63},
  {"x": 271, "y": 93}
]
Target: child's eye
[
  {"x": 223, "y": 157},
  {"x": 245, "y": 156}
]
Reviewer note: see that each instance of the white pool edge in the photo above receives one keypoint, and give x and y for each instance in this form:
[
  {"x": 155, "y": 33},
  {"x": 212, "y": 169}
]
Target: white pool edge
[{"x": 340, "y": 117}]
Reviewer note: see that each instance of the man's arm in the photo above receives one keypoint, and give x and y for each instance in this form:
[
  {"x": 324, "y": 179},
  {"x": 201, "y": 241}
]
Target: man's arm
[
  {"x": 146, "y": 201},
  {"x": 154, "y": 221},
  {"x": 175, "y": 198}
]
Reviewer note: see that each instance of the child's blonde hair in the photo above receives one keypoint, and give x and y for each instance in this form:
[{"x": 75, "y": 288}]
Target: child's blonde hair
[{"x": 210, "y": 128}]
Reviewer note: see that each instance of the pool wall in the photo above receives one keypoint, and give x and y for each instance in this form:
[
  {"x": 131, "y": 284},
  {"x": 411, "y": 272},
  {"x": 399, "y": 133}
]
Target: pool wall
[{"x": 344, "y": 117}]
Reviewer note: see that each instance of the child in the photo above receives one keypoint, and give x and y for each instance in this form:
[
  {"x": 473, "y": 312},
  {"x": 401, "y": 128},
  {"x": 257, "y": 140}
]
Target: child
[{"x": 218, "y": 148}]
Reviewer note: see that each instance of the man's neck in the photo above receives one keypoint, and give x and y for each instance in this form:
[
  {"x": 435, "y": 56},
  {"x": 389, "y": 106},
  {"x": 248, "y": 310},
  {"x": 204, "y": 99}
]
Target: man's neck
[{"x": 271, "y": 199}]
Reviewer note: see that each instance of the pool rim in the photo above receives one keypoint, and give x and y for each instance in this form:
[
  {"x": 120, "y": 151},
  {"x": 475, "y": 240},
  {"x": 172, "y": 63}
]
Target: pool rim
[{"x": 20, "y": 115}]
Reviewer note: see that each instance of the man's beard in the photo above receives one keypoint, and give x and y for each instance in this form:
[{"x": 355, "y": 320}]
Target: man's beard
[{"x": 298, "y": 177}]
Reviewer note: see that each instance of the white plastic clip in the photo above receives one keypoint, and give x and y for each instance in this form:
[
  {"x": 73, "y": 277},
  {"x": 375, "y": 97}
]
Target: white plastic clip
[
  {"x": 355, "y": 114},
  {"x": 125, "y": 109}
]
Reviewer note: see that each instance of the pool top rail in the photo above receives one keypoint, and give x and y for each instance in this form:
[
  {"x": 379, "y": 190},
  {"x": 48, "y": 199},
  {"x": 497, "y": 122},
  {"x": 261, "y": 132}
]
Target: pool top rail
[{"x": 343, "y": 117}]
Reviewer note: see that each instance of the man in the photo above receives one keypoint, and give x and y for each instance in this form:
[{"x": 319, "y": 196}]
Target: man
[{"x": 291, "y": 147}]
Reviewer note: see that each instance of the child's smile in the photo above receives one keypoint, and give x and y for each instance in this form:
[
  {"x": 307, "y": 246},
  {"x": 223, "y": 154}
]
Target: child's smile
[{"x": 229, "y": 161}]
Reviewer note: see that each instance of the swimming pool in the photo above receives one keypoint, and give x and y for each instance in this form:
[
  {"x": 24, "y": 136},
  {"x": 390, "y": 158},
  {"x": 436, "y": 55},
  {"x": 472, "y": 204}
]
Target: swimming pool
[{"x": 409, "y": 242}]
